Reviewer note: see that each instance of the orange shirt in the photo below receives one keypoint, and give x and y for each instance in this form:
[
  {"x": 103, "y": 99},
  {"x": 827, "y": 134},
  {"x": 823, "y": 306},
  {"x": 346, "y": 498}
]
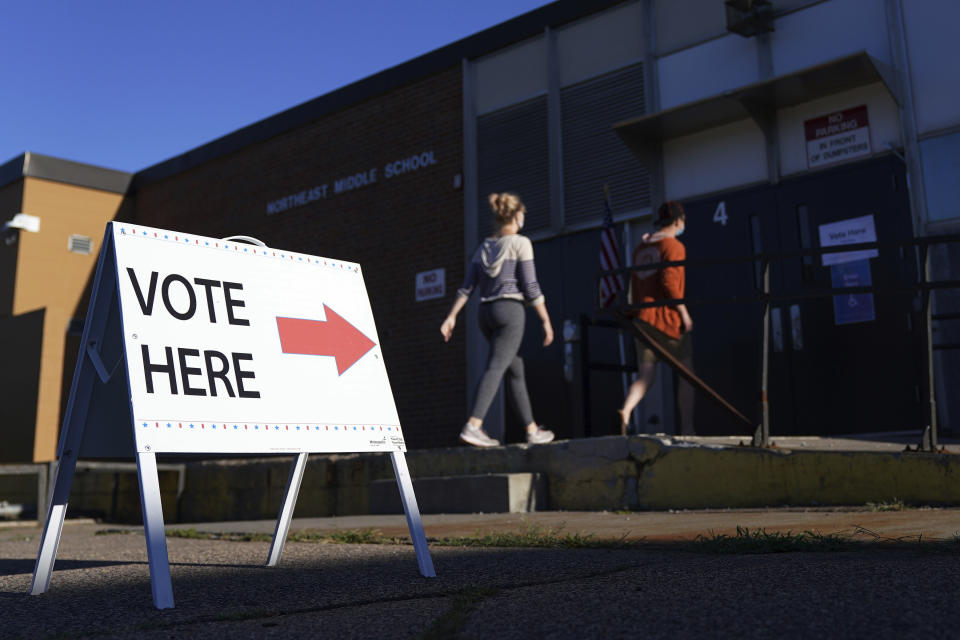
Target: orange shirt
[{"x": 661, "y": 284}]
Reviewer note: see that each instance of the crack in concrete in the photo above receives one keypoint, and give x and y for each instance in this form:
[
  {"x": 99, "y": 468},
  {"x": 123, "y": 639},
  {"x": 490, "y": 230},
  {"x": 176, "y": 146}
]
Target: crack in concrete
[
  {"x": 260, "y": 614},
  {"x": 641, "y": 464}
]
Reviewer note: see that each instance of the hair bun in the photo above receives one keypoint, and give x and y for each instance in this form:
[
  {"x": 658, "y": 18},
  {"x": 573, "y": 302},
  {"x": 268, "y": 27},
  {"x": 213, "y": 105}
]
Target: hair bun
[{"x": 505, "y": 206}]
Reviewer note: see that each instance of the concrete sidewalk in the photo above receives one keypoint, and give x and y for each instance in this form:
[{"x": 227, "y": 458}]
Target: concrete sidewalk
[
  {"x": 101, "y": 587},
  {"x": 661, "y": 526},
  {"x": 644, "y": 472}
]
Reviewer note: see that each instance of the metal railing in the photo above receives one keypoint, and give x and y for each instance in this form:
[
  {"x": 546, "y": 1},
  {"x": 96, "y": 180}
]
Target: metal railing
[
  {"x": 41, "y": 470},
  {"x": 46, "y": 472},
  {"x": 924, "y": 286}
]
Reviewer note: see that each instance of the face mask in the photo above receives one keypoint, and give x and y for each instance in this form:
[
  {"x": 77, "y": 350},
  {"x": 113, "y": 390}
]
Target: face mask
[
  {"x": 520, "y": 220},
  {"x": 680, "y": 232}
]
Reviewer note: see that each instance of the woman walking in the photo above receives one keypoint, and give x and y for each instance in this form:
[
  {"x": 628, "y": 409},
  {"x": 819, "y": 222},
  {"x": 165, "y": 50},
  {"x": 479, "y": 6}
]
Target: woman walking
[
  {"x": 503, "y": 268},
  {"x": 670, "y": 326}
]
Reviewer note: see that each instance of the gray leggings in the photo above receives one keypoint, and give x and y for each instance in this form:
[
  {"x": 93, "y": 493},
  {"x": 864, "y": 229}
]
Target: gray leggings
[{"x": 502, "y": 323}]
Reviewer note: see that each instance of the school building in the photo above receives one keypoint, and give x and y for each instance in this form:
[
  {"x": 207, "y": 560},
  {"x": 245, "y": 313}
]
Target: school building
[{"x": 782, "y": 126}]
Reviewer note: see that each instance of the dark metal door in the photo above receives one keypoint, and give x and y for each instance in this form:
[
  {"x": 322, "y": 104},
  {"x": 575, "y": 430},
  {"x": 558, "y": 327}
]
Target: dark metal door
[
  {"x": 726, "y": 337},
  {"x": 854, "y": 369},
  {"x": 567, "y": 270}
]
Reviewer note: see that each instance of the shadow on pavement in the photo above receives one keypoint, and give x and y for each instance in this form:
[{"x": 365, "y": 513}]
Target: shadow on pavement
[{"x": 25, "y": 565}]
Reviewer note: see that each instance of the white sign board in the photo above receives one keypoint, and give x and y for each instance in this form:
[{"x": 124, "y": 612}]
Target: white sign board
[
  {"x": 431, "y": 284},
  {"x": 217, "y": 346},
  {"x": 851, "y": 231},
  {"x": 234, "y": 348},
  {"x": 837, "y": 137}
]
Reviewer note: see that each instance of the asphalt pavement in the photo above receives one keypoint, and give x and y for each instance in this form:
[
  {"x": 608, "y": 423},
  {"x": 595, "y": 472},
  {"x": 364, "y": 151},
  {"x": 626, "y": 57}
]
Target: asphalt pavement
[{"x": 659, "y": 587}]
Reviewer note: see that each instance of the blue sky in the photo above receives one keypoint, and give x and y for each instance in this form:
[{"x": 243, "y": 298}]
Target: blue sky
[{"x": 128, "y": 84}]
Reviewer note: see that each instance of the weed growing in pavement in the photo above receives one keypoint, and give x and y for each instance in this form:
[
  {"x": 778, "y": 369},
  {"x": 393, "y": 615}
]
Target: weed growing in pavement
[
  {"x": 114, "y": 532},
  {"x": 893, "y": 505},
  {"x": 238, "y": 615},
  {"x": 451, "y": 623}
]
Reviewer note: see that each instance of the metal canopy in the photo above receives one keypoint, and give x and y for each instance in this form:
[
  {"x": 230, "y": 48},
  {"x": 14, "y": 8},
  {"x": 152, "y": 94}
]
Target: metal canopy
[{"x": 759, "y": 101}]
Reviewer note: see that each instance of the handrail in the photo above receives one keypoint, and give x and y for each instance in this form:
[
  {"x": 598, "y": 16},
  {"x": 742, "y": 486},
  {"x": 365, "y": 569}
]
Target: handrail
[
  {"x": 924, "y": 286},
  {"x": 771, "y": 256},
  {"x": 820, "y": 293}
]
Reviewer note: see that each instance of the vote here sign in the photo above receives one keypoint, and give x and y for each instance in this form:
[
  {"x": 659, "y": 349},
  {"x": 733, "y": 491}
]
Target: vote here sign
[{"x": 236, "y": 348}]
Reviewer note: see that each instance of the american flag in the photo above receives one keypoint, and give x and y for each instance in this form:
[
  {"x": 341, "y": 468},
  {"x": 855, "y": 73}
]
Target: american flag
[{"x": 609, "y": 256}]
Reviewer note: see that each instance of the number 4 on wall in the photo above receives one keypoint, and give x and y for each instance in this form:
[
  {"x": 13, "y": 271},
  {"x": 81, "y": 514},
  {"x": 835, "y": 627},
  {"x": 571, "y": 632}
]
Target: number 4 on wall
[{"x": 720, "y": 215}]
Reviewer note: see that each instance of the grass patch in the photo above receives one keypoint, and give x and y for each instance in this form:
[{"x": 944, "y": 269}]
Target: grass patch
[
  {"x": 451, "y": 623},
  {"x": 114, "y": 532},
  {"x": 351, "y": 536},
  {"x": 761, "y": 541},
  {"x": 744, "y": 541},
  {"x": 531, "y": 537},
  {"x": 536, "y": 537},
  {"x": 193, "y": 534},
  {"x": 950, "y": 545}
]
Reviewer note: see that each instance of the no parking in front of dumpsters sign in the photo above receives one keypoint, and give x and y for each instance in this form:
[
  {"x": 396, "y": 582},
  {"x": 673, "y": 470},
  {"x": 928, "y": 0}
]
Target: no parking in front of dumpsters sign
[
  {"x": 837, "y": 137},
  {"x": 243, "y": 349}
]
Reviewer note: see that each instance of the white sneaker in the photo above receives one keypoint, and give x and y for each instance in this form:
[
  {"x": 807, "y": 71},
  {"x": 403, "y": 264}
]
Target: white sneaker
[
  {"x": 540, "y": 436},
  {"x": 477, "y": 437}
]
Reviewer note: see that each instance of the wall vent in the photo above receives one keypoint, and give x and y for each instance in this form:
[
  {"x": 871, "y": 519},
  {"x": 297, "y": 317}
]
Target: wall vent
[{"x": 80, "y": 244}]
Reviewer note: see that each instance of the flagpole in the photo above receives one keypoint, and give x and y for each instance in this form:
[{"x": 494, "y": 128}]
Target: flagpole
[{"x": 627, "y": 261}]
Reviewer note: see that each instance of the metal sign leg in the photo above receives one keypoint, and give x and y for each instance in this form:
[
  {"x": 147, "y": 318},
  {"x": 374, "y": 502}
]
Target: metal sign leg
[
  {"x": 286, "y": 511},
  {"x": 53, "y": 526},
  {"x": 410, "y": 508},
  {"x": 153, "y": 528}
]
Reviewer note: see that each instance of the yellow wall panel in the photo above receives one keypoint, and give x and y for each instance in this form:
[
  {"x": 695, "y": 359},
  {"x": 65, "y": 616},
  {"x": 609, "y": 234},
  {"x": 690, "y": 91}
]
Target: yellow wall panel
[{"x": 51, "y": 277}]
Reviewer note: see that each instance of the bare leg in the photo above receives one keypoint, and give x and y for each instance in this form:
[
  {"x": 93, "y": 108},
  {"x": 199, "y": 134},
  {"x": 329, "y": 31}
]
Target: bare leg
[
  {"x": 685, "y": 401},
  {"x": 645, "y": 377}
]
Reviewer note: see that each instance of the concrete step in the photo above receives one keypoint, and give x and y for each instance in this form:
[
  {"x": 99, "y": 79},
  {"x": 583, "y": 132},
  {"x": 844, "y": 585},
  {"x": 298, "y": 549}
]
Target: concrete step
[{"x": 485, "y": 493}]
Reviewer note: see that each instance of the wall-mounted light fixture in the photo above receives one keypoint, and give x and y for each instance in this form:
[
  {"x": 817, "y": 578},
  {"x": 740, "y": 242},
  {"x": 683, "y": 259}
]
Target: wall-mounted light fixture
[
  {"x": 22, "y": 221},
  {"x": 749, "y": 17}
]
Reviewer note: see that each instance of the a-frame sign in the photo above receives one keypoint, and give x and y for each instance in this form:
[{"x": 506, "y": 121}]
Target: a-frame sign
[{"x": 204, "y": 345}]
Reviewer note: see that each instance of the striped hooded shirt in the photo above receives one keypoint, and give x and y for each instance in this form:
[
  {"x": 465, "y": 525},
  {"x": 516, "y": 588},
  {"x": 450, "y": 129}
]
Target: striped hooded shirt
[{"x": 503, "y": 269}]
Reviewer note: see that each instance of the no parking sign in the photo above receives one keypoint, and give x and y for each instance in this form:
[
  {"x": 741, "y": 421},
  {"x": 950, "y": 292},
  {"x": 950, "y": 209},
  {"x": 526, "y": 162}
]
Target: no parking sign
[{"x": 203, "y": 345}]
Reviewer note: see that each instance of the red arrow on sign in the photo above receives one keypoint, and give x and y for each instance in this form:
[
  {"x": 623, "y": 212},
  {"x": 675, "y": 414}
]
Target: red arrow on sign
[{"x": 335, "y": 337}]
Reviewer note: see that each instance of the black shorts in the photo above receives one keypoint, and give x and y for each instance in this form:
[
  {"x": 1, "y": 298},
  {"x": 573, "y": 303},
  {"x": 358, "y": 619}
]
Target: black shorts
[{"x": 680, "y": 349}]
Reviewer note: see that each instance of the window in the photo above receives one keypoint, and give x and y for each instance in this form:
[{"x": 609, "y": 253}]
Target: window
[{"x": 941, "y": 175}]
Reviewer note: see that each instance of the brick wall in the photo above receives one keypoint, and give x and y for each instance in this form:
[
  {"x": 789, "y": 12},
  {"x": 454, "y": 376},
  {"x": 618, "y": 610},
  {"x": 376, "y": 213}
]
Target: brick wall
[{"x": 393, "y": 228}]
